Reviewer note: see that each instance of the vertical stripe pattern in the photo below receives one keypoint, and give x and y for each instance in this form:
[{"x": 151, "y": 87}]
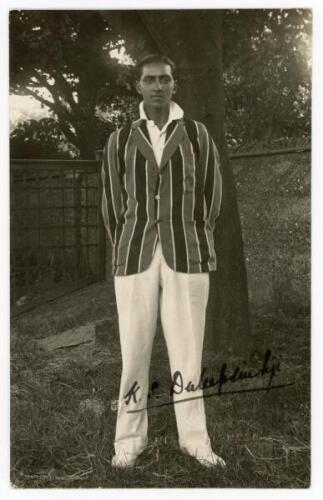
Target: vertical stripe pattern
[{"x": 177, "y": 203}]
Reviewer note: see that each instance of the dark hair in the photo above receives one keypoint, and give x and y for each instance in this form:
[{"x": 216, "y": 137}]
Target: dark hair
[{"x": 154, "y": 58}]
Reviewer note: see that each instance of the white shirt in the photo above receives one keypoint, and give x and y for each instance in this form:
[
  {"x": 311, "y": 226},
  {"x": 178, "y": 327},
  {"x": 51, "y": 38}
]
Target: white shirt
[{"x": 157, "y": 136}]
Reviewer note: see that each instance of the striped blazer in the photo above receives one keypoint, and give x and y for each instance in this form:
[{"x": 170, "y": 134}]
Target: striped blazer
[{"x": 176, "y": 202}]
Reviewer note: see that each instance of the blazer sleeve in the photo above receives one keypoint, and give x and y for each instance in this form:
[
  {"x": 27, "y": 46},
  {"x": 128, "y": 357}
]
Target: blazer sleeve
[
  {"x": 111, "y": 186},
  {"x": 210, "y": 161}
]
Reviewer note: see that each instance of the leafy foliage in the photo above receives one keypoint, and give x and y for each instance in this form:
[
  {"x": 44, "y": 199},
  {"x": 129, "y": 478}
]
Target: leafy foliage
[
  {"x": 267, "y": 75},
  {"x": 40, "y": 139},
  {"x": 62, "y": 58}
]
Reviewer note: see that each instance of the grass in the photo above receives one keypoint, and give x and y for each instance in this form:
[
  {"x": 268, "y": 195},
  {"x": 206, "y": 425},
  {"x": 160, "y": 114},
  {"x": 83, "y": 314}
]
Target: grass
[{"x": 63, "y": 417}]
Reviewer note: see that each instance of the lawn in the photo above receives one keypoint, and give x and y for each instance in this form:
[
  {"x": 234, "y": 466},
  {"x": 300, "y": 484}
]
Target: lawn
[{"x": 63, "y": 408}]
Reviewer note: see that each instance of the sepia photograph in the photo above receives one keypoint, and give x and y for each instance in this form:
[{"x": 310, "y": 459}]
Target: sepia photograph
[{"x": 160, "y": 248}]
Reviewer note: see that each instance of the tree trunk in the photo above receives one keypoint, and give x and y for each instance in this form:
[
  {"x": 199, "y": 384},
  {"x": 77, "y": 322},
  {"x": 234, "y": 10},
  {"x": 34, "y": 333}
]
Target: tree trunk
[{"x": 193, "y": 39}]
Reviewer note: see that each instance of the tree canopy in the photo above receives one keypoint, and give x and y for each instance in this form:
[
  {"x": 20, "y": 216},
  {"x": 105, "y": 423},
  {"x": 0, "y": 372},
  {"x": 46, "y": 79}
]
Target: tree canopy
[
  {"x": 40, "y": 139},
  {"x": 267, "y": 75},
  {"x": 63, "y": 59}
]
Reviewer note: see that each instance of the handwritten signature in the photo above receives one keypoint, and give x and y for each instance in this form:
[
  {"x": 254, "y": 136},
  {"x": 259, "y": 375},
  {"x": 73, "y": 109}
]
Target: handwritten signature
[{"x": 269, "y": 368}]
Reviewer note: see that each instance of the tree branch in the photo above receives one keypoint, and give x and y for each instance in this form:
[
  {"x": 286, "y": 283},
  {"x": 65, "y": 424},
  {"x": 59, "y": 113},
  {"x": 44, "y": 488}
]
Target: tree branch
[
  {"x": 60, "y": 111},
  {"x": 69, "y": 134},
  {"x": 61, "y": 114},
  {"x": 66, "y": 90},
  {"x": 57, "y": 94},
  {"x": 50, "y": 105}
]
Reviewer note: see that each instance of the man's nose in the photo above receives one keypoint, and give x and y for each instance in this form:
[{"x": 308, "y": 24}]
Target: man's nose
[{"x": 158, "y": 85}]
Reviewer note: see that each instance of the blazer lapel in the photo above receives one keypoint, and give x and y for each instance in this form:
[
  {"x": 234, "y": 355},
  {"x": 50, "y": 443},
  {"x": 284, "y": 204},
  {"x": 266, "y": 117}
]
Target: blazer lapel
[
  {"x": 144, "y": 130},
  {"x": 142, "y": 140},
  {"x": 172, "y": 141},
  {"x": 174, "y": 135}
]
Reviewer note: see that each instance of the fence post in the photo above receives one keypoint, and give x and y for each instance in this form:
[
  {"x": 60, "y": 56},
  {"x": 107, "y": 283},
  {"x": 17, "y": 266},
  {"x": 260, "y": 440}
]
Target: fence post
[{"x": 77, "y": 218}]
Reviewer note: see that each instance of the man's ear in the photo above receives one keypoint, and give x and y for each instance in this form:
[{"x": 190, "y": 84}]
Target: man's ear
[
  {"x": 175, "y": 87},
  {"x": 138, "y": 88}
]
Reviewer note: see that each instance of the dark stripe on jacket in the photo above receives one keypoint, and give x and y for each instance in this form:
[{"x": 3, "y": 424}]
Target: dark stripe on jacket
[
  {"x": 170, "y": 129},
  {"x": 209, "y": 182},
  {"x": 192, "y": 134},
  {"x": 144, "y": 129},
  {"x": 180, "y": 244},
  {"x": 123, "y": 139},
  {"x": 140, "y": 183}
]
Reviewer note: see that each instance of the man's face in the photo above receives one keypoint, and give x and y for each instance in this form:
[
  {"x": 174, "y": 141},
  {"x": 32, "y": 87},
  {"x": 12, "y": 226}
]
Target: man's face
[{"x": 156, "y": 85}]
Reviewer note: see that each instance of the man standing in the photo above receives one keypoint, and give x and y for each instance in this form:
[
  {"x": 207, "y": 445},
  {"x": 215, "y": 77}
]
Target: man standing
[{"x": 161, "y": 196}]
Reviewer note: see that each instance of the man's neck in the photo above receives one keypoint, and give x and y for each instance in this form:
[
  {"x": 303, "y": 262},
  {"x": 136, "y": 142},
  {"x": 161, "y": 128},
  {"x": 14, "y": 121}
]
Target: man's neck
[{"x": 158, "y": 115}]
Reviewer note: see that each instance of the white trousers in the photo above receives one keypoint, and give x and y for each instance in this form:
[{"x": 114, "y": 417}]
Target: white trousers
[{"x": 182, "y": 299}]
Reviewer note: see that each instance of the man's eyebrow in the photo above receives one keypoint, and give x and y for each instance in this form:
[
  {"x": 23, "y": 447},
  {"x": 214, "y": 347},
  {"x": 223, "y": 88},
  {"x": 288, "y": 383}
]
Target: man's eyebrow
[{"x": 163, "y": 74}]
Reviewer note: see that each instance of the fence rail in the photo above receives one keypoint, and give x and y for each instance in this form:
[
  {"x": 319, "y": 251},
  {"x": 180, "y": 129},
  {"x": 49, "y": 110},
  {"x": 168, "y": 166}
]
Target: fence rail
[{"x": 273, "y": 152}]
